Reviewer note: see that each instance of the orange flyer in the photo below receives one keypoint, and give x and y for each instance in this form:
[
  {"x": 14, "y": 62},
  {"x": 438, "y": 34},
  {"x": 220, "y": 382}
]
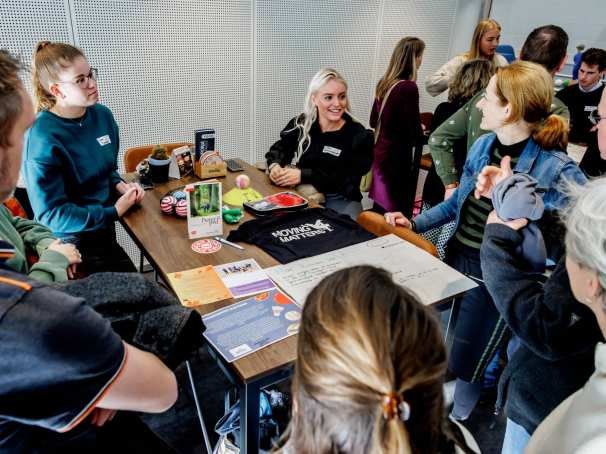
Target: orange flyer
[{"x": 198, "y": 286}]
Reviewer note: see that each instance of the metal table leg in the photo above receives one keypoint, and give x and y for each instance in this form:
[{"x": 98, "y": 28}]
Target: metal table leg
[
  {"x": 194, "y": 392},
  {"x": 249, "y": 418}
]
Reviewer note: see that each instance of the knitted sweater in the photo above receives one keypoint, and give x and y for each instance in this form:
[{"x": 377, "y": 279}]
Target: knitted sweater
[
  {"x": 70, "y": 169},
  {"x": 438, "y": 82}
]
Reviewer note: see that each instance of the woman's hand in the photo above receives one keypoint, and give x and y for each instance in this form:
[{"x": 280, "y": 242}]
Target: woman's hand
[
  {"x": 425, "y": 130},
  {"x": 396, "y": 218},
  {"x": 490, "y": 176},
  {"x": 288, "y": 177},
  {"x": 515, "y": 224},
  {"x": 122, "y": 187},
  {"x": 70, "y": 252},
  {"x": 275, "y": 172},
  {"x": 127, "y": 200}
]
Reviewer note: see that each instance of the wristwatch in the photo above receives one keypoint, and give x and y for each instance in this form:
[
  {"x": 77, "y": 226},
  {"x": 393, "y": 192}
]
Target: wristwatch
[
  {"x": 452, "y": 185},
  {"x": 413, "y": 225}
]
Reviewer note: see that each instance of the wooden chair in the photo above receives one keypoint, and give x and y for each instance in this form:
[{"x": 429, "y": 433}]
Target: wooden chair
[
  {"x": 375, "y": 223},
  {"x": 135, "y": 155},
  {"x": 426, "y": 118}
]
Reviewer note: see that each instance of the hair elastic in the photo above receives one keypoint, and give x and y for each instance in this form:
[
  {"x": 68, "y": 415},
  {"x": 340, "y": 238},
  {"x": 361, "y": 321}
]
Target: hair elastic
[
  {"x": 394, "y": 405},
  {"x": 43, "y": 44}
]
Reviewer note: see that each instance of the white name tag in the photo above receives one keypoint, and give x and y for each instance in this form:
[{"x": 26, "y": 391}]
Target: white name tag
[
  {"x": 331, "y": 150},
  {"x": 104, "y": 140},
  {"x": 590, "y": 108}
]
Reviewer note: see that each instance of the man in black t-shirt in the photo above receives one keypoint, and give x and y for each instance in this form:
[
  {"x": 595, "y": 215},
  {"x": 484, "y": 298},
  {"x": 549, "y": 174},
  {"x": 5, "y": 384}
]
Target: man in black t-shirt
[
  {"x": 594, "y": 159},
  {"x": 582, "y": 98},
  {"x": 64, "y": 371}
]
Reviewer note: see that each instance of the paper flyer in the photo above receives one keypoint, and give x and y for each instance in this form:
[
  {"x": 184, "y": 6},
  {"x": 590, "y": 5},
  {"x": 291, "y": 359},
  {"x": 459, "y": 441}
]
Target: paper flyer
[
  {"x": 244, "y": 278},
  {"x": 204, "y": 216},
  {"x": 181, "y": 162},
  {"x": 198, "y": 286},
  {"x": 245, "y": 327}
]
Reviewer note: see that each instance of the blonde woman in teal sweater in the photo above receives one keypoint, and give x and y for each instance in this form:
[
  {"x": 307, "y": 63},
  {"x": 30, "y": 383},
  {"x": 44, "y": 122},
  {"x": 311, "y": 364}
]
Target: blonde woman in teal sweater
[{"x": 70, "y": 160}]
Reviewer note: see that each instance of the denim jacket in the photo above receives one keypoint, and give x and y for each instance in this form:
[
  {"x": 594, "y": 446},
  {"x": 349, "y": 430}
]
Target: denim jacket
[{"x": 552, "y": 169}]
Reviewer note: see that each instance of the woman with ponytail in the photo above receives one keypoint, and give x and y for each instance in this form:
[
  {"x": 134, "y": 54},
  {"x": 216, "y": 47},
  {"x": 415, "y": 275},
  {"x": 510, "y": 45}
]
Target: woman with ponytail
[
  {"x": 324, "y": 146},
  {"x": 369, "y": 372},
  {"x": 70, "y": 158},
  {"x": 525, "y": 136}
]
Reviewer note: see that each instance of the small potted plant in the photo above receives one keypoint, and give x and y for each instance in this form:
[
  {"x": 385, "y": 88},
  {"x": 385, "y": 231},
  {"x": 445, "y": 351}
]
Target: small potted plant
[{"x": 159, "y": 162}]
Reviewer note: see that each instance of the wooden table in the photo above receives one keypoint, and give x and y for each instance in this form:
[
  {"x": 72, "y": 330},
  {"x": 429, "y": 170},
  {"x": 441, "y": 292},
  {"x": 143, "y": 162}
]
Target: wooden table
[{"x": 163, "y": 240}]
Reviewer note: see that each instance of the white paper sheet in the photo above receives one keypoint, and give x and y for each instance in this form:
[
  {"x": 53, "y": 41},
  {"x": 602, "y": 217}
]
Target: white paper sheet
[{"x": 429, "y": 278}]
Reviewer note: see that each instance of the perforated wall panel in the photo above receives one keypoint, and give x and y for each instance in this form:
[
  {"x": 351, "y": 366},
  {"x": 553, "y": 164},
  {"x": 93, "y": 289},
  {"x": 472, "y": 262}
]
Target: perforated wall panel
[
  {"x": 167, "y": 68},
  {"x": 294, "y": 40},
  {"x": 430, "y": 20},
  {"x": 24, "y": 23}
]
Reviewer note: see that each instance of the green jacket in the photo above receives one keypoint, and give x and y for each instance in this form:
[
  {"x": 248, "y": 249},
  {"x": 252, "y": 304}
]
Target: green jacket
[
  {"x": 24, "y": 234},
  {"x": 465, "y": 122}
]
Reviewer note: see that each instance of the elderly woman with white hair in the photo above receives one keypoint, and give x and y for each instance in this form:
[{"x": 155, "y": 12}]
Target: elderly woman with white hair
[{"x": 324, "y": 146}]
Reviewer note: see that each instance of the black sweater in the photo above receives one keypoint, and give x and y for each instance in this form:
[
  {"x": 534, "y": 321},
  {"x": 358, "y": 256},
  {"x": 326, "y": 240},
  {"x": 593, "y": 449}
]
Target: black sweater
[
  {"x": 557, "y": 333},
  {"x": 579, "y": 104},
  {"x": 592, "y": 163},
  {"x": 334, "y": 162}
]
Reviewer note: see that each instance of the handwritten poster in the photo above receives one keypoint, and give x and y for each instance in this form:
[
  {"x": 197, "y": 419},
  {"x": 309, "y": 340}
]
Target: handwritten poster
[{"x": 411, "y": 267}]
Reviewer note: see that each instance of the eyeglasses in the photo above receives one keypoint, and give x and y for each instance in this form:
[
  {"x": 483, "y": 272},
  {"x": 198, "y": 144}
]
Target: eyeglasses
[
  {"x": 595, "y": 117},
  {"x": 82, "y": 81}
]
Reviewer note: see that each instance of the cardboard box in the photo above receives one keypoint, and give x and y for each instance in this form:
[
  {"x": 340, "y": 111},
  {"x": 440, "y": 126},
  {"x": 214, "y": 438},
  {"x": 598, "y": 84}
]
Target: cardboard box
[{"x": 212, "y": 170}]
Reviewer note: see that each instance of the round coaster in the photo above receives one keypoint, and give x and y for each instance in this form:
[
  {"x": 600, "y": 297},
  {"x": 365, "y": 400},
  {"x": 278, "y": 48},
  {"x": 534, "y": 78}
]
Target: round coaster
[{"x": 206, "y": 246}]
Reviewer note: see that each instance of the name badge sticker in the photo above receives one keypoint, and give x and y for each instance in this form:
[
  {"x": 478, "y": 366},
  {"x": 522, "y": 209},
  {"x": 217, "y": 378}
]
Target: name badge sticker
[
  {"x": 331, "y": 150},
  {"x": 104, "y": 140}
]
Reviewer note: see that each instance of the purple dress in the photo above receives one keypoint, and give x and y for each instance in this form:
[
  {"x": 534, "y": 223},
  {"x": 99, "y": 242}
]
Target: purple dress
[{"x": 392, "y": 188}]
